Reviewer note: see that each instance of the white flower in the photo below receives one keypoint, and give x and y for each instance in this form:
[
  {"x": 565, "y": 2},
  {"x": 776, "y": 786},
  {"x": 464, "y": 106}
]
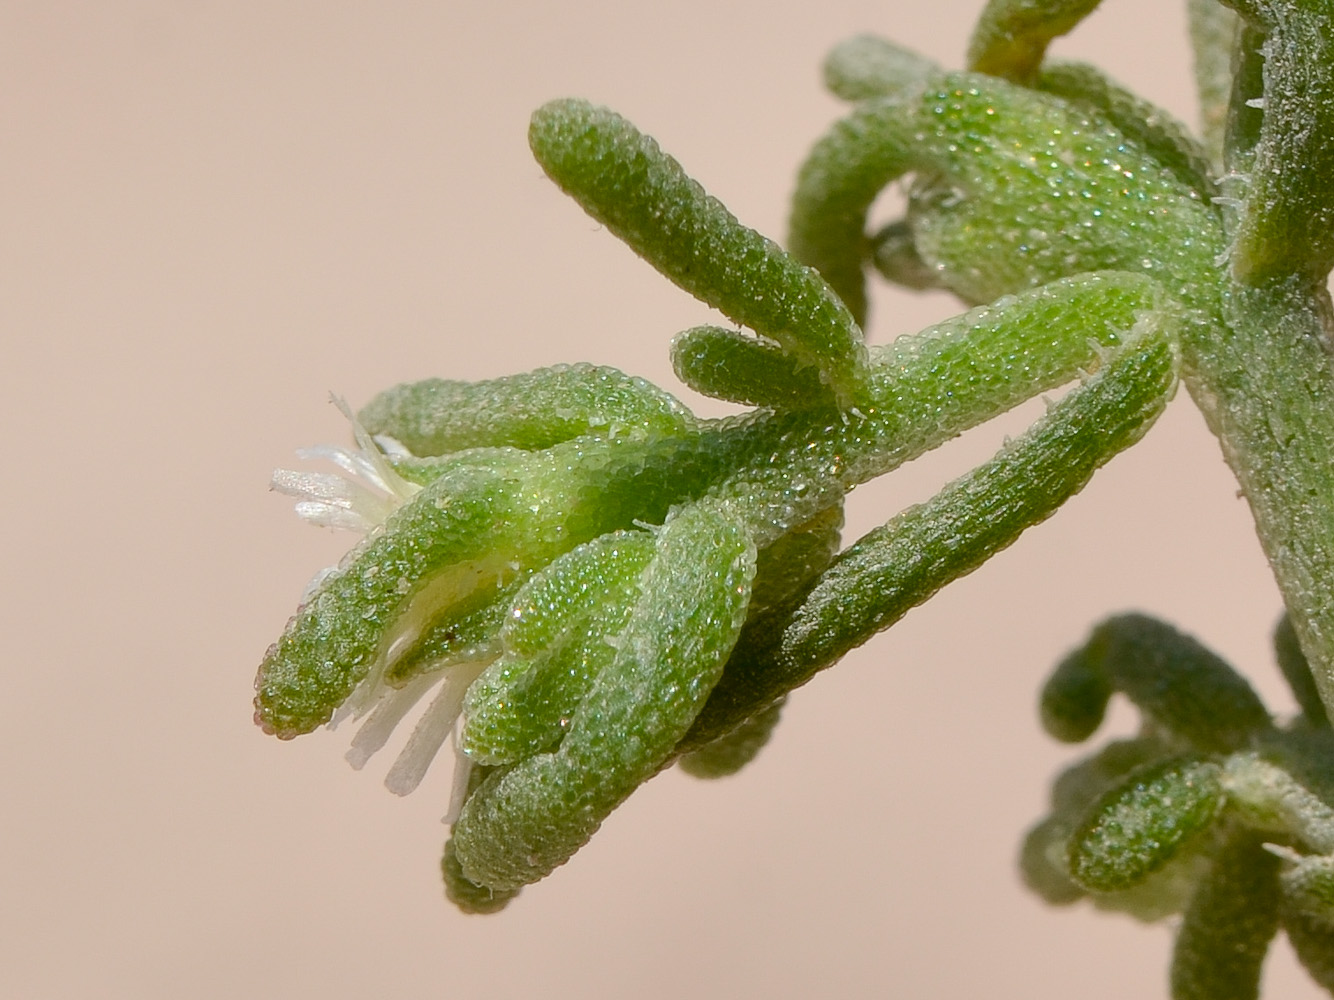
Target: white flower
[{"x": 360, "y": 498}]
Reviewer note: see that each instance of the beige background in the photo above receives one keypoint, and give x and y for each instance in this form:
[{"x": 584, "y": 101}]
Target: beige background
[{"x": 211, "y": 215}]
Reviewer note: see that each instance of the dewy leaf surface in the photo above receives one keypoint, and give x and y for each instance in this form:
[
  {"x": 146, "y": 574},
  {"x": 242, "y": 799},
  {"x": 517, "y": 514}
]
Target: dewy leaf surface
[
  {"x": 624, "y": 180},
  {"x": 522, "y": 823}
]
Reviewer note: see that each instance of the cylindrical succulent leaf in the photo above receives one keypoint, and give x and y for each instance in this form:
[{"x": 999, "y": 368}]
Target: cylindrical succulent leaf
[
  {"x": 624, "y": 180},
  {"x": 1074, "y": 699},
  {"x": 1226, "y": 930},
  {"x": 838, "y": 182},
  {"x": 450, "y": 540},
  {"x": 867, "y": 66},
  {"x": 1018, "y": 188},
  {"x": 728, "y": 754},
  {"x": 555, "y": 643},
  {"x": 531, "y": 410},
  {"x": 1012, "y": 36},
  {"x": 729, "y": 365},
  {"x": 1173, "y": 679},
  {"x": 895, "y": 567},
  {"x": 1032, "y": 187},
  {"x": 522, "y": 823}
]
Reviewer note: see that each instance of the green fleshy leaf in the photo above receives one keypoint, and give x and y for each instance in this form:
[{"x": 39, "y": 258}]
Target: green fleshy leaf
[
  {"x": 625, "y": 181},
  {"x": 729, "y": 365},
  {"x": 837, "y": 183},
  {"x": 728, "y": 754},
  {"x": 1044, "y": 860},
  {"x": 438, "y": 549},
  {"x": 1213, "y": 37},
  {"x": 785, "y": 572},
  {"x": 532, "y": 410},
  {"x": 1034, "y": 187},
  {"x": 1017, "y": 188},
  {"x": 866, "y": 66},
  {"x": 1136, "y": 828},
  {"x": 487, "y": 517},
  {"x": 899, "y": 565},
  {"x": 1227, "y": 928},
  {"x": 490, "y": 515},
  {"x": 1074, "y": 699},
  {"x": 555, "y": 643},
  {"x": 1012, "y": 36},
  {"x": 1174, "y": 680},
  {"x": 1149, "y": 126},
  {"x": 520, "y": 825}
]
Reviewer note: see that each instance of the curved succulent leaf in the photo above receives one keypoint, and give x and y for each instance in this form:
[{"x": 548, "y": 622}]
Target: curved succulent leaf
[
  {"x": 1171, "y": 677},
  {"x": 1074, "y": 699},
  {"x": 532, "y": 410},
  {"x": 1017, "y": 188},
  {"x": 1152, "y": 128},
  {"x": 555, "y": 642},
  {"x": 729, "y": 365},
  {"x": 896, "y": 566},
  {"x": 1012, "y": 36},
  {"x": 868, "y": 66},
  {"x": 1033, "y": 187},
  {"x": 624, "y": 180},
  {"x": 522, "y": 823}
]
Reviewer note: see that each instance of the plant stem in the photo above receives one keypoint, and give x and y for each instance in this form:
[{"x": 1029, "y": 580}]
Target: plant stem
[{"x": 1266, "y": 388}]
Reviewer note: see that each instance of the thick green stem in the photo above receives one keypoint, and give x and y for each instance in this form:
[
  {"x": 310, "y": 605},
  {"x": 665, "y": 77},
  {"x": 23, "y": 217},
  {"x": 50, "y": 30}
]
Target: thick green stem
[{"x": 1267, "y": 391}]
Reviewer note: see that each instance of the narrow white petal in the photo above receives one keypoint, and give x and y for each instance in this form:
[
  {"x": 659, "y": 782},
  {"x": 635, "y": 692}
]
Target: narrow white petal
[
  {"x": 385, "y": 476},
  {"x": 463, "y": 766},
  {"x": 432, "y": 730},
  {"x": 385, "y": 717},
  {"x": 329, "y": 516},
  {"x": 313, "y": 486}
]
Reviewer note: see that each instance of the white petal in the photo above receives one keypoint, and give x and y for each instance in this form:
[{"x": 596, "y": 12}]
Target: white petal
[
  {"x": 385, "y": 717},
  {"x": 432, "y": 730},
  {"x": 463, "y": 765}
]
